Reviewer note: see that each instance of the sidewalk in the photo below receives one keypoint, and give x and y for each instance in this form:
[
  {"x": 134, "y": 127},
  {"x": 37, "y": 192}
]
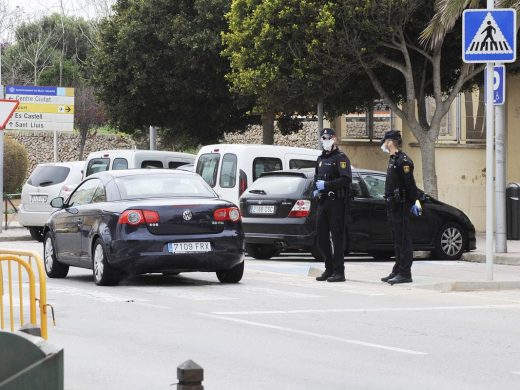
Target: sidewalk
[
  {"x": 15, "y": 232},
  {"x": 512, "y": 257}
]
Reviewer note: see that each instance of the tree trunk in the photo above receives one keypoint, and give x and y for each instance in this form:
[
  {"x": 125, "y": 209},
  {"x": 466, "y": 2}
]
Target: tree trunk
[
  {"x": 268, "y": 127},
  {"x": 428, "y": 165},
  {"x": 83, "y": 141}
]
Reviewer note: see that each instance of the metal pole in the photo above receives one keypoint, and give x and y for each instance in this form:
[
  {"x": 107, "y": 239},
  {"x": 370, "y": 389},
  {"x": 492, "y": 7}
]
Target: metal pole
[
  {"x": 153, "y": 138},
  {"x": 489, "y": 164},
  {"x": 320, "y": 121},
  {"x": 55, "y": 146},
  {"x": 500, "y": 178}
]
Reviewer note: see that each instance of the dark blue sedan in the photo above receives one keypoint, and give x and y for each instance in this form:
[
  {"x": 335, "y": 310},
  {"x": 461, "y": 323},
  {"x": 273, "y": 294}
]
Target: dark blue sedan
[{"x": 144, "y": 221}]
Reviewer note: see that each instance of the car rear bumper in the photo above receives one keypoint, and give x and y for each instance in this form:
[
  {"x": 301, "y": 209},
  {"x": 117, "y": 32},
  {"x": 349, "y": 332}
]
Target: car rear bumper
[
  {"x": 282, "y": 240},
  {"x": 151, "y": 254},
  {"x": 33, "y": 218}
]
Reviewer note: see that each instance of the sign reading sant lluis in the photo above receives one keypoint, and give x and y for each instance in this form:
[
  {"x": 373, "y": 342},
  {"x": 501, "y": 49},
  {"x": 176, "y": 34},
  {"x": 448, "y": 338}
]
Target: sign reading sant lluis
[{"x": 41, "y": 108}]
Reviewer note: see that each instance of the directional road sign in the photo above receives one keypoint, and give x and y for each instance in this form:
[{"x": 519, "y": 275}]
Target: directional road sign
[
  {"x": 489, "y": 35},
  {"x": 499, "y": 84},
  {"x": 7, "y": 108},
  {"x": 42, "y": 108}
]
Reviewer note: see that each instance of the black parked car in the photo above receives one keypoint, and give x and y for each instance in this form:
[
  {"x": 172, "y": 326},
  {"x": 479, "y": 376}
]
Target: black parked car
[
  {"x": 144, "y": 221},
  {"x": 278, "y": 213}
]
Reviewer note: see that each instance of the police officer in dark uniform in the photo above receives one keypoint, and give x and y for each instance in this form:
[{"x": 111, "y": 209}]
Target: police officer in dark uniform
[
  {"x": 332, "y": 183},
  {"x": 401, "y": 200}
]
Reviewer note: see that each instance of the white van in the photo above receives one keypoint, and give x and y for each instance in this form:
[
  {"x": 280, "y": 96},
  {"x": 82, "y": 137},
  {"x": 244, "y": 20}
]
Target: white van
[
  {"x": 106, "y": 160},
  {"x": 231, "y": 168}
]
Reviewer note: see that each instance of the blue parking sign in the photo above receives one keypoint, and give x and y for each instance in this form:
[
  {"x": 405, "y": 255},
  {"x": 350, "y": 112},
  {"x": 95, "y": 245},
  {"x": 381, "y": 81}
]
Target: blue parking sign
[
  {"x": 489, "y": 35},
  {"x": 499, "y": 84}
]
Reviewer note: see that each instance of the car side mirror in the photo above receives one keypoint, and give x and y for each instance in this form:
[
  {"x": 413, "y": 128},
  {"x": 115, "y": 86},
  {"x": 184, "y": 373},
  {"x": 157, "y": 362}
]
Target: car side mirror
[{"x": 58, "y": 203}]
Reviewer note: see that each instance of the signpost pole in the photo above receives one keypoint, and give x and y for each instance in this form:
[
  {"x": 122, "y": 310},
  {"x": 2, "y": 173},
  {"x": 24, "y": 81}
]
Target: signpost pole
[
  {"x": 489, "y": 163},
  {"x": 153, "y": 138},
  {"x": 500, "y": 177},
  {"x": 320, "y": 121},
  {"x": 55, "y": 146}
]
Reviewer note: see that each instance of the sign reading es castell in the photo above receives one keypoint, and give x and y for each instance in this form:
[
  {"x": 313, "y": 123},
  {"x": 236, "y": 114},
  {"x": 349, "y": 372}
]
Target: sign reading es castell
[{"x": 41, "y": 108}]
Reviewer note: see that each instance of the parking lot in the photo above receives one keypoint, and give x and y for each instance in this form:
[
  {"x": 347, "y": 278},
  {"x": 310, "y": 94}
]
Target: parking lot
[{"x": 280, "y": 329}]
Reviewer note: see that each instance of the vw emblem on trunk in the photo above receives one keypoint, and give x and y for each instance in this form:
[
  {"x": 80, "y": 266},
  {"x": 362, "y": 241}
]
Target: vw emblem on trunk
[{"x": 187, "y": 215}]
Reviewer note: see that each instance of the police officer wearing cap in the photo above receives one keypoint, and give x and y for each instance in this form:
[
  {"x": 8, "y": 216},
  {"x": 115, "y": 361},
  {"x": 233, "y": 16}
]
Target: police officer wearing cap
[
  {"x": 332, "y": 182},
  {"x": 401, "y": 200}
]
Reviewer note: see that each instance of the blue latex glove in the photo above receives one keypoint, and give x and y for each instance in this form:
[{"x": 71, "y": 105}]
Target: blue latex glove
[
  {"x": 315, "y": 193},
  {"x": 416, "y": 209},
  {"x": 320, "y": 185}
]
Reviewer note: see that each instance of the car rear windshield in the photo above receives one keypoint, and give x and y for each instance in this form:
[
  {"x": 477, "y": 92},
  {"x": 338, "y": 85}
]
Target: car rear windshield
[
  {"x": 278, "y": 185},
  {"x": 44, "y": 176},
  {"x": 163, "y": 186}
]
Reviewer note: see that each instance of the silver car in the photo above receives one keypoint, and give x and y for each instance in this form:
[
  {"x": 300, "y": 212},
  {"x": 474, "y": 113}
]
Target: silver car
[{"x": 47, "y": 181}]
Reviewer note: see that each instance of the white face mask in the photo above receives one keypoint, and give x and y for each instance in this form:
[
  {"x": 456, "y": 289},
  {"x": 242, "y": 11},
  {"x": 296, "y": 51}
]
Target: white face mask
[
  {"x": 384, "y": 148},
  {"x": 327, "y": 144}
]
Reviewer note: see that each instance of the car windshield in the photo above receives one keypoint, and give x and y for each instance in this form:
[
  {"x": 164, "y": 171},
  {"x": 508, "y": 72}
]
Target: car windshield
[
  {"x": 278, "y": 185},
  {"x": 163, "y": 186}
]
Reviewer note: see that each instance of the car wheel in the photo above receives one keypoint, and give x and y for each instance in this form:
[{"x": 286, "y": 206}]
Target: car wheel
[
  {"x": 450, "y": 242},
  {"x": 53, "y": 268},
  {"x": 104, "y": 274},
  {"x": 262, "y": 251},
  {"x": 316, "y": 253},
  {"x": 233, "y": 275},
  {"x": 382, "y": 255},
  {"x": 36, "y": 233}
]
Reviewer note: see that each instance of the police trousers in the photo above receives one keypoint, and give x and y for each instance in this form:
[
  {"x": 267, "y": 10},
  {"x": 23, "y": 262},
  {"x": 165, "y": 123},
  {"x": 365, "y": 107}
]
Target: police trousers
[
  {"x": 331, "y": 224},
  {"x": 400, "y": 221}
]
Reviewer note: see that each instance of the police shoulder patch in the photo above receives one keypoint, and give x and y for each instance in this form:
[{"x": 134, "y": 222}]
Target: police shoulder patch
[
  {"x": 406, "y": 168},
  {"x": 343, "y": 164}
]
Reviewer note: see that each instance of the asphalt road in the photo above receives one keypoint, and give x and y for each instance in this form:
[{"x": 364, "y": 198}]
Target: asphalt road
[{"x": 280, "y": 329}]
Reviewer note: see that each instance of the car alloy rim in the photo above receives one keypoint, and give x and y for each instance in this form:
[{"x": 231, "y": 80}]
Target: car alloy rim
[
  {"x": 98, "y": 262},
  {"x": 451, "y": 241},
  {"x": 49, "y": 252}
]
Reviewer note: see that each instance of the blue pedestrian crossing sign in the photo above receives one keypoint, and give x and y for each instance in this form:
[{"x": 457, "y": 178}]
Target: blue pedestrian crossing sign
[{"x": 489, "y": 35}]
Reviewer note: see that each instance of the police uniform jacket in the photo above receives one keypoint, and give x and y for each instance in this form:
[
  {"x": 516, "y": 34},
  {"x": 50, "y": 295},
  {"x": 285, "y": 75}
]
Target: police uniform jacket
[
  {"x": 399, "y": 176},
  {"x": 334, "y": 168}
]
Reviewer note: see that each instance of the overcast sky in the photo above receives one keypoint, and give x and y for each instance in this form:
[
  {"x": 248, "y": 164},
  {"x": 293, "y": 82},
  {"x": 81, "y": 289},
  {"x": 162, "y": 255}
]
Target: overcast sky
[{"x": 84, "y": 8}]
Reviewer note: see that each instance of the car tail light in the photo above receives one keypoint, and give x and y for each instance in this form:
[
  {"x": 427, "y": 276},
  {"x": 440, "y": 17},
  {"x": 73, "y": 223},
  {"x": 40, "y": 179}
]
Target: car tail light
[
  {"x": 242, "y": 182},
  {"x": 66, "y": 190},
  {"x": 138, "y": 217},
  {"x": 228, "y": 214},
  {"x": 302, "y": 208}
]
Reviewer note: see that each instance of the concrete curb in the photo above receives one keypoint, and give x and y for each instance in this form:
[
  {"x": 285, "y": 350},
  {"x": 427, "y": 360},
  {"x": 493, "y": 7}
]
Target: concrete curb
[
  {"x": 462, "y": 286},
  {"x": 509, "y": 259}
]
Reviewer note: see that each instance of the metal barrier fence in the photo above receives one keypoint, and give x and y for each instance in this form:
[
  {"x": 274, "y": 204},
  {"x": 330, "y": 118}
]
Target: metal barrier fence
[{"x": 15, "y": 259}]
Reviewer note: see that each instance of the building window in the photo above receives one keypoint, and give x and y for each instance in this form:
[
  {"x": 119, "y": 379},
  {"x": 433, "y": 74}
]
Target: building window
[
  {"x": 474, "y": 119},
  {"x": 370, "y": 124}
]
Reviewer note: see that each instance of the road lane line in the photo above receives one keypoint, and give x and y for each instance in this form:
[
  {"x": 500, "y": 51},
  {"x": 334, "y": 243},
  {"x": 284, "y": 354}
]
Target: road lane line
[
  {"x": 312, "y": 334},
  {"x": 376, "y": 310}
]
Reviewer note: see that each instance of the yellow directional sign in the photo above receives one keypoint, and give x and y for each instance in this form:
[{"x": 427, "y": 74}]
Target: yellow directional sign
[{"x": 47, "y": 108}]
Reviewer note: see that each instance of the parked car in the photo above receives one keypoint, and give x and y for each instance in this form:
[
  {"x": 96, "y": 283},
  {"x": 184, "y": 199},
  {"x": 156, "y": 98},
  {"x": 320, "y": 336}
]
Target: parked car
[
  {"x": 138, "y": 221},
  {"x": 46, "y": 182},
  {"x": 229, "y": 169},
  {"x": 105, "y": 160},
  {"x": 278, "y": 213}
]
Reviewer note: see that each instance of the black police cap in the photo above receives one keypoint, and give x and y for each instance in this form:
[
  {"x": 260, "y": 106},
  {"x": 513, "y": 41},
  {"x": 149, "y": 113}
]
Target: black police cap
[
  {"x": 327, "y": 131},
  {"x": 391, "y": 134}
]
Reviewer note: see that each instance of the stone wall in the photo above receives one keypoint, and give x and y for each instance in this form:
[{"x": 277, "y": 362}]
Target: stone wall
[
  {"x": 40, "y": 145},
  {"x": 307, "y": 137}
]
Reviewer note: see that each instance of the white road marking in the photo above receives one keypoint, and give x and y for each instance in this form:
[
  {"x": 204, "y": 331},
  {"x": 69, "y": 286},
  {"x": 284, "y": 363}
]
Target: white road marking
[
  {"x": 90, "y": 294},
  {"x": 312, "y": 334},
  {"x": 179, "y": 293},
  {"x": 375, "y": 310},
  {"x": 515, "y": 372}
]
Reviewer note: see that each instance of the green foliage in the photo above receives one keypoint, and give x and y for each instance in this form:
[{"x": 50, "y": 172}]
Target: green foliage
[
  {"x": 288, "y": 124},
  {"x": 158, "y": 63},
  {"x": 15, "y": 166}
]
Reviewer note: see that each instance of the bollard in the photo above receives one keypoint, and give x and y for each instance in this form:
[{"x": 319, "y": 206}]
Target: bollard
[{"x": 190, "y": 376}]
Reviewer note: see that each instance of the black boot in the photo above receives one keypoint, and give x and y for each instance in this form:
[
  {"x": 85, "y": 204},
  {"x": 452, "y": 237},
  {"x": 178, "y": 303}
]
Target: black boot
[
  {"x": 336, "y": 278},
  {"x": 324, "y": 276},
  {"x": 387, "y": 278},
  {"x": 400, "y": 279}
]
